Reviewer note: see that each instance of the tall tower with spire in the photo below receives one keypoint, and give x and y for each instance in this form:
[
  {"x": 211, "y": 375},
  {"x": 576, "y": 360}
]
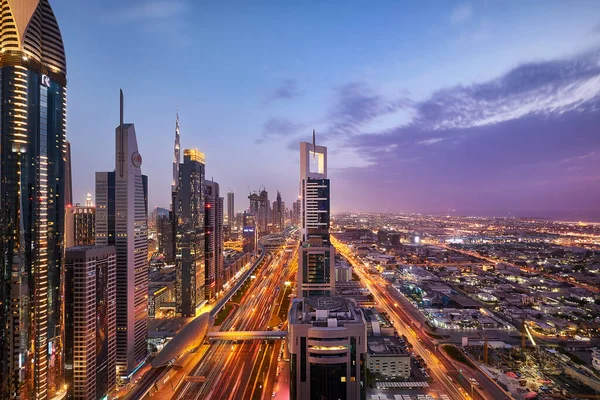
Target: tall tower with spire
[{"x": 177, "y": 156}]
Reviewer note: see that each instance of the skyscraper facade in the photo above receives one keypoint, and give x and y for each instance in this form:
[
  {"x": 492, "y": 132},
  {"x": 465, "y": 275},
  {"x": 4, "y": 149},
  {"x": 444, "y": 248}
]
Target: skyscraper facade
[
  {"x": 188, "y": 229},
  {"x": 177, "y": 157},
  {"x": 316, "y": 274},
  {"x": 213, "y": 222},
  {"x": 249, "y": 234},
  {"x": 164, "y": 233},
  {"x": 80, "y": 226},
  {"x": 122, "y": 222},
  {"x": 231, "y": 211},
  {"x": 33, "y": 151},
  {"x": 90, "y": 321}
]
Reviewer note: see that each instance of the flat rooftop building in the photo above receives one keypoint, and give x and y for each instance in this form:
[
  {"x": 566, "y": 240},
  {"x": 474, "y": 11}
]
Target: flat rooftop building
[
  {"x": 387, "y": 356},
  {"x": 327, "y": 344}
]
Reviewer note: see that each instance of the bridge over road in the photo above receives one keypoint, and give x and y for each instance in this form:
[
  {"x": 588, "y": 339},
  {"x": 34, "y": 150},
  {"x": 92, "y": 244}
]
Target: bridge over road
[{"x": 246, "y": 335}]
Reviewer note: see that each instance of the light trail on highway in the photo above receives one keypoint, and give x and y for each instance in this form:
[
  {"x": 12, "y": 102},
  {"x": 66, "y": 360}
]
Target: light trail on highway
[
  {"x": 441, "y": 369},
  {"x": 245, "y": 370}
]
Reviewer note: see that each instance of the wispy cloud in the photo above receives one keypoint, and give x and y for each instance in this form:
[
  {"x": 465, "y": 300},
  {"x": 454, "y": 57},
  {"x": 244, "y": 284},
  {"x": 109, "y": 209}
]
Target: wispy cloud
[
  {"x": 429, "y": 142},
  {"x": 461, "y": 14},
  {"x": 286, "y": 91},
  {"x": 278, "y": 127}
]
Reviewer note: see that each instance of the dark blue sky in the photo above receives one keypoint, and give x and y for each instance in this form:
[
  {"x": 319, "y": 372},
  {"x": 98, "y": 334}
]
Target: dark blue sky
[{"x": 480, "y": 107}]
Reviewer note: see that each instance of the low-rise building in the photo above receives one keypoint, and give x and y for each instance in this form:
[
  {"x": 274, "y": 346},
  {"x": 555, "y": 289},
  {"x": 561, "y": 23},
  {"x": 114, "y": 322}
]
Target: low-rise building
[{"x": 387, "y": 356}]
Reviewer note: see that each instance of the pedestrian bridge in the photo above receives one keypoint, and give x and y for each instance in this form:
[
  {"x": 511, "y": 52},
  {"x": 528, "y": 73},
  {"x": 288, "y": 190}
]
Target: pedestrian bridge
[{"x": 247, "y": 335}]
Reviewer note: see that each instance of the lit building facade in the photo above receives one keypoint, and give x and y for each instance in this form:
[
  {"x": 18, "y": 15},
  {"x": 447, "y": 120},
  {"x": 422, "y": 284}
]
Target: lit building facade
[
  {"x": 80, "y": 226},
  {"x": 188, "y": 227},
  {"x": 316, "y": 274},
  {"x": 164, "y": 234},
  {"x": 231, "y": 211},
  {"x": 90, "y": 321},
  {"x": 122, "y": 222},
  {"x": 213, "y": 238},
  {"x": 249, "y": 234},
  {"x": 327, "y": 341},
  {"x": 33, "y": 153}
]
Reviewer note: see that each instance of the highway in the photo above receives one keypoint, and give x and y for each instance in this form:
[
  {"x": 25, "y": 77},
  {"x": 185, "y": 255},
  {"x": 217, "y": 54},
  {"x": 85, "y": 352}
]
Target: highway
[
  {"x": 443, "y": 371},
  {"x": 246, "y": 370}
]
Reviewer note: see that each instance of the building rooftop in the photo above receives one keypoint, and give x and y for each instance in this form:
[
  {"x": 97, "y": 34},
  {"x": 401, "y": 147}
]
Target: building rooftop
[
  {"x": 385, "y": 346},
  {"x": 325, "y": 311}
]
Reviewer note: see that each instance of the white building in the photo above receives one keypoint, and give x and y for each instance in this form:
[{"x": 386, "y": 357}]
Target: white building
[
  {"x": 386, "y": 356},
  {"x": 122, "y": 222}
]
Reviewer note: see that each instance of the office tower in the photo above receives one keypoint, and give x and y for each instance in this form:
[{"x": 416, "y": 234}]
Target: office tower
[
  {"x": 296, "y": 206},
  {"x": 68, "y": 176},
  {"x": 213, "y": 239},
  {"x": 122, "y": 222},
  {"x": 33, "y": 155},
  {"x": 164, "y": 233},
  {"x": 249, "y": 236},
  {"x": 188, "y": 233},
  {"x": 231, "y": 211},
  {"x": 80, "y": 225},
  {"x": 260, "y": 208},
  {"x": 316, "y": 274},
  {"x": 90, "y": 321},
  {"x": 177, "y": 157},
  {"x": 327, "y": 341},
  {"x": 279, "y": 212}
]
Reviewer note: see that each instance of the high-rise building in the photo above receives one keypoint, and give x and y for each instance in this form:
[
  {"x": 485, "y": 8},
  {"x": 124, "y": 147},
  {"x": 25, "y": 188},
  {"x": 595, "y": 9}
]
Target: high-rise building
[
  {"x": 177, "y": 157},
  {"x": 316, "y": 274},
  {"x": 213, "y": 222},
  {"x": 249, "y": 235},
  {"x": 122, "y": 222},
  {"x": 90, "y": 321},
  {"x": 260, "y": 208},
  {"x": 33, "y": 155},
  {"x": 231, "y": 211},
  {"x": 188, "y": 233},
  {"x": 296, "y": 207},
  {"x": 327, "y": 341},
  {"x": 279, "y": 213},
  {"x": 164, "y": 234},
  {"x": 80, "y": 225}
]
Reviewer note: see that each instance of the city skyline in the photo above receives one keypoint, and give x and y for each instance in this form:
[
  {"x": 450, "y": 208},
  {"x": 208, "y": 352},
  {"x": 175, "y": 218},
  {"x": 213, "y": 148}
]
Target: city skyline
[{"x": 422, "y": 107}]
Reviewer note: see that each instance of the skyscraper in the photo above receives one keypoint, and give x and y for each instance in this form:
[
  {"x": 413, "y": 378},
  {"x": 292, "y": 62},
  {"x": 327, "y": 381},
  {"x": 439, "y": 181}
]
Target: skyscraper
[
  {"x": 296, "y": 206},
  {"x": 230, "y": 211},
  {"x": 188, "y": 233},
  {"x": 213, "y": 239},
  {"x": 316, "y": 274},
  {"x": 90, "y": 324},
  {"x": 164, "y": 233},
  {"x": 122, "y": 222},
  {"x": 279, "y": 212},
  {"x": 80, "y": 226},
  {"x": 249, "y": 235},
  {"x": 326, "y": 335},
  {"x": 33, "y": 152},
  {"x": 177, "y": 156}
]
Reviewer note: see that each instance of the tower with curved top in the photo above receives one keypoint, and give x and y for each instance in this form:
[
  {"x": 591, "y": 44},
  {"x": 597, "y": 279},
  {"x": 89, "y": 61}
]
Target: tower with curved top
[{"x": 32, "y": 198}]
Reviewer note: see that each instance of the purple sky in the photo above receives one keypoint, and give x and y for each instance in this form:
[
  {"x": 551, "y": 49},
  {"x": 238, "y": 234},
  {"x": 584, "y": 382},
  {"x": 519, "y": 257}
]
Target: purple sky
[{"x": 479, "y": 107}]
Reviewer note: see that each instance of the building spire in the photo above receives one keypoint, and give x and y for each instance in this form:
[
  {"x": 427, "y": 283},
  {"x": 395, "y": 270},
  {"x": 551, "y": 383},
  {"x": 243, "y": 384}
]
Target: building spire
[{"x": 177, "y": 155}]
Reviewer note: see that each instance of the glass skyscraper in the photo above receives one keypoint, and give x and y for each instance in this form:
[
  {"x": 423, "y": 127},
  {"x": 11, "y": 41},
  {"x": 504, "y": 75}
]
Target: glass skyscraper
[{"x": 32, "y": 198}]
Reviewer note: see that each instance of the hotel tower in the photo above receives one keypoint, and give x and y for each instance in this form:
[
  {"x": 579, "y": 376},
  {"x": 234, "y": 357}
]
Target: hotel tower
[{"x": 33, "y": 150}]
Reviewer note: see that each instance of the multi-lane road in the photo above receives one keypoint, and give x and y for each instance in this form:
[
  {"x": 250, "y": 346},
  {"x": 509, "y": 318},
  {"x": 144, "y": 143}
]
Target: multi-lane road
[
  {"x": 446, "y": 378},
  {"x": 245, "y": 370}
]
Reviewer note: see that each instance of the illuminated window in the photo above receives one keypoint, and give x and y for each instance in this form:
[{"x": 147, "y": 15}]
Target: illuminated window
[{"x": 343, "y": 379}]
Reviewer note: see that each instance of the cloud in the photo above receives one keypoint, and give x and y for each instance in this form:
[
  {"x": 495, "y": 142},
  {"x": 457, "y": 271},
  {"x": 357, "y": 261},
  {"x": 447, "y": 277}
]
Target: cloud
[
  {"x": 286, "y": 91},
  {"x": 461, "y": 14},
  {"x": 151, "y": 10},
  {"x": 357, "y": 105},
  {"x": 278, "y": 127},
  {"x": 429, "y": 142}
]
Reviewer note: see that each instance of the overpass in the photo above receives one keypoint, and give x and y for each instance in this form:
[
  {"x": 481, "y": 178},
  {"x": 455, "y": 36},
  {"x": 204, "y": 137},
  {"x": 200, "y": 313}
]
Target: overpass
[
  {"x": 221, "y": 303},
  {"x": 246, "y": 335}
]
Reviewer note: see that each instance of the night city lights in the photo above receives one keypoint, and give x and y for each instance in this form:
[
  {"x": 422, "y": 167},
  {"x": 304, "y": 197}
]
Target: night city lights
[{"x": 390, "y": 200}]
